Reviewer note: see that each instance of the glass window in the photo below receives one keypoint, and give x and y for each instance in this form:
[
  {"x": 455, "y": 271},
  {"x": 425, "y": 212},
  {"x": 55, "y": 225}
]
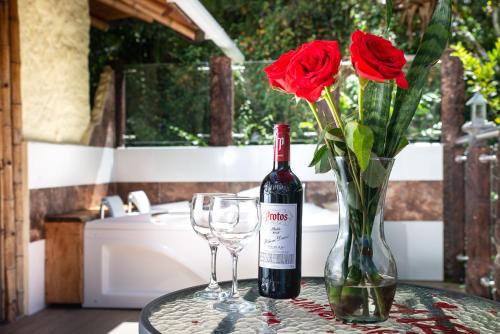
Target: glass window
[{"x": 169, "y": 105}]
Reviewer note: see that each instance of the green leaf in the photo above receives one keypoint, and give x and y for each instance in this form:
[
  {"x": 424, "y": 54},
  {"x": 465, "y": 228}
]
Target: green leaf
[
  {"x": 376, "y": 109},
  {"x": 322, "y": 134},
  {"x": 318, "y": 154},
  {"x": 323, "y": 166},
  {"x": 374, "y": 175},
  {"x": 340, "y": 148},
  {"x": 359, "y": 138},
  {"x": 402, "y": 144},
  {"x": 335, "y": 134},
  {"x": 430, "y": 50},
  {"x": 389, "y": 5}
]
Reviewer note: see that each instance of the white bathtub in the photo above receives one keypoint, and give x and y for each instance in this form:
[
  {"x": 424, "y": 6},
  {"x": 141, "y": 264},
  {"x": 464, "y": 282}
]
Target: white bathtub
[{"x": 131, "y": 260}]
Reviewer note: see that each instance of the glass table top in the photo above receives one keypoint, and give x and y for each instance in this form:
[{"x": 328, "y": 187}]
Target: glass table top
[{"x": 415, "y": 310}]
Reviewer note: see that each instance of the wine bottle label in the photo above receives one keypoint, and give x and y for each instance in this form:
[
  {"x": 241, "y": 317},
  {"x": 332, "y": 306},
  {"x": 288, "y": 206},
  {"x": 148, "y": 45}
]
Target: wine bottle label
[{"x": 278, "y": 235}]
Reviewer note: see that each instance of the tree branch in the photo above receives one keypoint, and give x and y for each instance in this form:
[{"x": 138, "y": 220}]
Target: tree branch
[{"x": 496, "y": 24}]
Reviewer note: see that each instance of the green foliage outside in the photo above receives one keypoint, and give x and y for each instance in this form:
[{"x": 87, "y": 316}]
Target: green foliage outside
[
  {"x": 175, "y": 100},
  {"x": 477, "y": 30},
  {"x": 178, "y": 110},
  {"x": 258, "y": 108},
  {"x": 482, "y": 75},
  {"x": 166, "y": 104}
]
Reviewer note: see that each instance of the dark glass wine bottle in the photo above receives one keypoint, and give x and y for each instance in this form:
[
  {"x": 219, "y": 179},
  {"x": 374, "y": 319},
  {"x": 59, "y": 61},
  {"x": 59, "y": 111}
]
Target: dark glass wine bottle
[{"x": 280, "y": 237}]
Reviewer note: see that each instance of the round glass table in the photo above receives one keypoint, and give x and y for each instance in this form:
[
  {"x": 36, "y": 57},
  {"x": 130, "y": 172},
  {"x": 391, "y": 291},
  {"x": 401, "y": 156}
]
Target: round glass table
[{"x": 415, "y": 310}]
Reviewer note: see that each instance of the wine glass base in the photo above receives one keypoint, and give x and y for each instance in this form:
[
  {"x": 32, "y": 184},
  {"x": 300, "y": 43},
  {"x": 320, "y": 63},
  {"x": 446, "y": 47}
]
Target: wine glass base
[
  {"x": 209, "y": 294},
  {"x": 235, "y": 305}
]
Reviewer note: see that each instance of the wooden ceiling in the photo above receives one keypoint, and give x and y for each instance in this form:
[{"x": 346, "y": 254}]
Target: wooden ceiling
[{"x": 103, "y": 12}]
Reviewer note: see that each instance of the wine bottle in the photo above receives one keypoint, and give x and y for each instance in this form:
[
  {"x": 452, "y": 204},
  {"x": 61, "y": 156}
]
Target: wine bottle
[{"x": 281, "y": 230}]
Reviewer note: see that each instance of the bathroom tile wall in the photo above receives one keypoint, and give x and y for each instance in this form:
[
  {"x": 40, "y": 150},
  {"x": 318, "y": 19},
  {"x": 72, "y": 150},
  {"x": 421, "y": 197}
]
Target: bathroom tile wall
[{"x": 406, "y": 200}]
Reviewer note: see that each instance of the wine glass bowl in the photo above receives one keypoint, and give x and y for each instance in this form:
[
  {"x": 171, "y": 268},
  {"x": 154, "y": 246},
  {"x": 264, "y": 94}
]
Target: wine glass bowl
[
  {"x": 234, "y": 221},
  {"x": 199, "y": 216}
]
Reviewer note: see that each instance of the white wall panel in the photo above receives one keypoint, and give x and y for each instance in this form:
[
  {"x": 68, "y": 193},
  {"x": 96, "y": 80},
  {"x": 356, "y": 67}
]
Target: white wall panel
[
  {"x": 420, "y": 161},
  {"x": 36, "y": 276},
  {"x": 58, "y": 165}
]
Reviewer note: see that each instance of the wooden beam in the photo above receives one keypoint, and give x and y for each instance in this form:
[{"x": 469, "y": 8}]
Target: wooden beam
[
  {"x": 452, "y": 118},
  {"x": 120, "y": 105},
  {"x": 221, "y": 101},
  {"x": 164, "y": 19},
  {"x": 178, "y": 14},
  {"x": 154, "y": 6},
  {"x": 122, "y": 7},
  {"x": 99, "y": 24}
]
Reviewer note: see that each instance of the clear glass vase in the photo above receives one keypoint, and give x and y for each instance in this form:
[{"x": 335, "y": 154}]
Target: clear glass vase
[{"x": 360, "y": 271}]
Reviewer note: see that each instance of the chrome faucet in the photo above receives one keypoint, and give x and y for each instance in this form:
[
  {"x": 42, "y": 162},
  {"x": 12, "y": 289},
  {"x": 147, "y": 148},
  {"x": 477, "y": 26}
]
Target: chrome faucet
[{"x": 114, "y": 204}]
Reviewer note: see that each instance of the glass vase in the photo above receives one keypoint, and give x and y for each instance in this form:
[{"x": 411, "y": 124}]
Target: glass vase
[{"x": 360, "y": 271}]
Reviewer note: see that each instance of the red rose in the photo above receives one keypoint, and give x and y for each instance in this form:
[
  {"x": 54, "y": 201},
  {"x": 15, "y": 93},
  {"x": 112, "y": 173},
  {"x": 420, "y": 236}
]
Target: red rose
[
  {"x": 313, "y": 67},
  {"x": 375, "y": 58},
  {"x": 276, "y": 72}
]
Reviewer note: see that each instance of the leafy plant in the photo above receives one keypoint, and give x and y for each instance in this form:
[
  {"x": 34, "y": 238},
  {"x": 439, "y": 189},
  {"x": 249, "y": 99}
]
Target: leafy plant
[
  {"x": 482, "y": 74},
  {"x": 430, "y": 50}
]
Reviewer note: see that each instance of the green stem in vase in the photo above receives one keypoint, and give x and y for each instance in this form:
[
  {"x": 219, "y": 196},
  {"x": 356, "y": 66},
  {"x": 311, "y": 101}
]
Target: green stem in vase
[
  {"x": 373, "y": 277},
  {"x": 366, "y": 305},
  {"x": 333, "y": 109},
  {"x": 316, "y": 115},
  {"x": 338, "y": 120},
  {"x": 361, "y": 92}
]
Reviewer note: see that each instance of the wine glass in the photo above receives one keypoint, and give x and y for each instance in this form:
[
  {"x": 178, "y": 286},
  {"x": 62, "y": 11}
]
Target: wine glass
[
  {"x": 199, "y": 212},
  {"x": 234, "y": 220}
]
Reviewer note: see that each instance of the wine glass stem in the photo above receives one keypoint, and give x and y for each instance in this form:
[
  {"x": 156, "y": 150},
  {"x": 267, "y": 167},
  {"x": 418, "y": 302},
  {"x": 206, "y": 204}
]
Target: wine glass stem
[
  {"x": 213, "y": 274},
  {"x": 234, "y": 289}
]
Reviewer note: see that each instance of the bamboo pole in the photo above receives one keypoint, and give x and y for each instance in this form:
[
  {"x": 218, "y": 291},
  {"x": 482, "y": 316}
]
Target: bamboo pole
[
  {"x": 4, "y": 48},
  {"x": 8, "y": 186},
  {"x": 120, "y": 6},
  {"x": 18, "y": 156},
  {"x": 165, "y": 20}
]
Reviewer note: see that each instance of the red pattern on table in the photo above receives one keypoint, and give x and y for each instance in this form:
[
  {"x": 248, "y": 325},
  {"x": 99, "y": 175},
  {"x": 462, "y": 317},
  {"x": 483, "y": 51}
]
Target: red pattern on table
[
  {"x": 272, "y": 319},
  {"x": 429, "y": 325}
]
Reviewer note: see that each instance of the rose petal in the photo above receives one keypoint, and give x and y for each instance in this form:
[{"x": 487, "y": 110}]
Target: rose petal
[
  {"x": 276, "y": 72},
  {"x": 312, "y": 67},
  {"x": 401, "y": 81}
]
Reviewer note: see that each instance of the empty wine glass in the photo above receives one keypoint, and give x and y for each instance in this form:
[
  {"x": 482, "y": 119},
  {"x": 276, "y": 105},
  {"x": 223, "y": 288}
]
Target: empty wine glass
[
  {"x": 199, "y": 211},
  {"x": 234, "y": 220}
]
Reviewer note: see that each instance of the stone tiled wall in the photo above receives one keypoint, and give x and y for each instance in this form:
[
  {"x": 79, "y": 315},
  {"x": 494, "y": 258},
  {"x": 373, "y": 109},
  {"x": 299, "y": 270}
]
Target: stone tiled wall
[
  {"x": 414, "y": 200},
  {"x": 48, "y": 201},
  {"x": 406, "y": 200},
  {"x": 180, "y": 191}
]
